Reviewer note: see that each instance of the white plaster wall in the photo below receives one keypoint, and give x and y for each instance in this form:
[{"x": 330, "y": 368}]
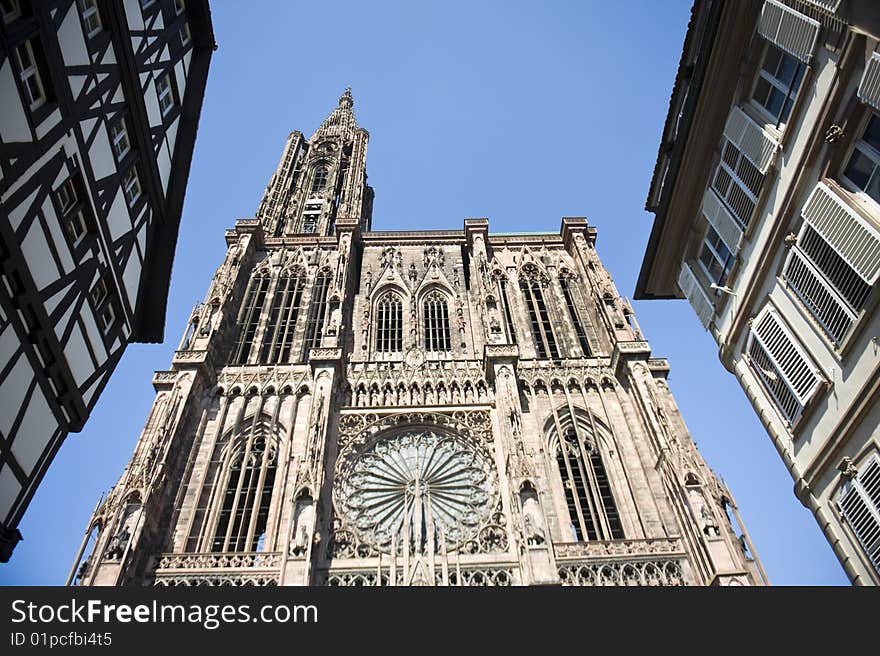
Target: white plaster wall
[{"x": 13, "y": 119}]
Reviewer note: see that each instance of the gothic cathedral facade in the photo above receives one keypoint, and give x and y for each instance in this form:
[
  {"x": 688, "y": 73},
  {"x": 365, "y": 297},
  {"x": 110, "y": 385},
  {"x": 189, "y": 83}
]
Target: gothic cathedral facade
[{"x": 360, "y": 407}]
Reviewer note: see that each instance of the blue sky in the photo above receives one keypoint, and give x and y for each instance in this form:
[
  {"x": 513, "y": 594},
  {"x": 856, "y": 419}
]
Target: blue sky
[{"x": 522, "y": 112}]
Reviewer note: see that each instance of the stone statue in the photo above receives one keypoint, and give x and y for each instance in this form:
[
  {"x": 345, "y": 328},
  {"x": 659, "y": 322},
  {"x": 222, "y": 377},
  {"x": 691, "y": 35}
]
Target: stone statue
[
  {"x": 532, "y": 529},
  {"x": 709, "y": 526},
  {"x": 118, "y": 543}
]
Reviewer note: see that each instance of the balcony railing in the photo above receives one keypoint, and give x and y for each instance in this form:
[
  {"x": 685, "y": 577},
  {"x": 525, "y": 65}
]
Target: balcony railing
[
  {"x": 259, "y": 568},
  {"x": 648, "y": 562}
]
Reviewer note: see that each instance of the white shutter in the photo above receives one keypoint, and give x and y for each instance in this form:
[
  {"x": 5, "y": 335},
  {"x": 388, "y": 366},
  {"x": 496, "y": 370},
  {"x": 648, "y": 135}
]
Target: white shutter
[
  {"x": 859, "y": 502},
  {"x": 827, "y": 5},
  {"x": 869, "y": 87},
  {"x": 750, "y": 138},
  {"x": 789, "y": 29},
  {"x": 857, "y": 242},
  {"x": 720, "y": 219},
  {"x": 693, "y": 290},
  {"x": 787, "y": 371}
]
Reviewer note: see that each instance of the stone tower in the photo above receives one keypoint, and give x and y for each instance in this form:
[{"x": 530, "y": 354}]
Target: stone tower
[{"x": 358, "y": 407}]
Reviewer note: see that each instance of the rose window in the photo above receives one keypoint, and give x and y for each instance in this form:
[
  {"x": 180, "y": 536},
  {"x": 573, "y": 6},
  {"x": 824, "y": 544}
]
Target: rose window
[{"x": 419, "y": 486}]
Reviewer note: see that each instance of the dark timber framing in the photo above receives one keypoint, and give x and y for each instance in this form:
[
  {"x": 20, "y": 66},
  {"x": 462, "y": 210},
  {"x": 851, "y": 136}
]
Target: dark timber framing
[{"x": 64, "y": 346}]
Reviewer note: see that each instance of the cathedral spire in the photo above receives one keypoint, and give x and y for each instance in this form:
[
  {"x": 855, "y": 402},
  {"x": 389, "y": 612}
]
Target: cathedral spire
[{"x": 341, "y": 121}]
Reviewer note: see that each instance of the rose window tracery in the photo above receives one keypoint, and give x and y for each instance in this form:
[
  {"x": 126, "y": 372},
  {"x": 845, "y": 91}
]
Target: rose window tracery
[{"x": 421, "y": 486}]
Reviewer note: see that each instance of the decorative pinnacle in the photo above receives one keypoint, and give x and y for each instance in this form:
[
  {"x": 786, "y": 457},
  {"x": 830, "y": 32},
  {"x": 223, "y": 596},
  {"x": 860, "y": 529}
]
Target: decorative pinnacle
[{"x": 345, "y": 100}]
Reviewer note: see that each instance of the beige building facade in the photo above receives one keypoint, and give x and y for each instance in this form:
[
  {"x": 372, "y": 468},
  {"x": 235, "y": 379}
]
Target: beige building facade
[
  {"x": 767, "y": 201},
  {"x": 355, "y": 407}
]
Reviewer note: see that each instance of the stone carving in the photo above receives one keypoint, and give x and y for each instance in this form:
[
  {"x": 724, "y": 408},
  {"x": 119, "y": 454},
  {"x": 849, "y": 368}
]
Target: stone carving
[
  {"x": 619, "y": 548},
  {"x": 391, "y": 258},
  {"x": 533, "y": 524},
  {"x": 434, "y": 255},
  {"x": 649, "y": 573},
  {"x": 417, "y": 382},
  {"x": 118, "y": 543}
]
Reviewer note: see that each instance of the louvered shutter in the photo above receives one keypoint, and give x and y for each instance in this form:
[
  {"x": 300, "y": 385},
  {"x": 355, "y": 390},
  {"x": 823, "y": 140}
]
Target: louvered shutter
[
  {"x": 787, "y": 371},
  {"x": 789, "y": 29},
  {"x": 750, "y": 139},
  {"x": 721, "y": 219},
  {"x": 860, "y": 504},
  {"x": 857, "y": 242},
  {"x": 694, "y": 293},
  {"x": 827, "y": 5},
  {"x": 869, "y": 87}
]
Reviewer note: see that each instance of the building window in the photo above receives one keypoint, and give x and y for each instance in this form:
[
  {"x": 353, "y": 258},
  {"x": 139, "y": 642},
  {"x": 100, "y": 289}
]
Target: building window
[
  {"x": 35, "y": 91},
  {"x": 249, "y": 318},
  {"x": 247, "y": 497},
  {"x": 389, "y": 323},
  {"x": 788, "y": 375},
  {"x": 862, "y": 172},
  {"x": 508, "y": 316},
  {"x": 102, "y": 302},
  {"x": 11, "y": 10},
  {"x": 833, "y": 264},
  {"x": 320, "y": 180},
  {"x": 715, "y": 257},
  {"x": 185, "y": 35},
  {"x": 283, "y": 315},
  {"x": 777, "y": 85},
  {"x": 579, "y": 327},
  {"x": 166, "y": 96},
  {"x": 315, "y": 325},
  {"x": 542, "y": 329},
  {"x": 119, "y": 139},
  {"x": 88, "y": 9},
  {"x": 311, "y": 215},
  {"x": 72, "y": 210},
  {"x": 131, "y": 186},
  {"x": 592, "y": 511},
  {"x": 738, "y": 182},
  {"x": 859, "y": 503},
  {"x": 67, "y": 196},
  {"x": 435, "y": 313}
]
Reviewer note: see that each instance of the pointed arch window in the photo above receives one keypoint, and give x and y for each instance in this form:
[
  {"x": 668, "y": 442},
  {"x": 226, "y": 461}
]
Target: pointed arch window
[
  {"x": 249, "y": 318},
  {"x": 592, "y": 510},
  {"x": 389, "y": 323},
  {"x": 317, "y": 312},
  {"x": 542, "y": 329},
  {"x": 435, "y": 315},
  {"x": 319, "y": 180},
  {"x": 244, "y": 510},
  {"x": 508, "y": 316},
  {"x": 579, "y": 327},
  {"x": 283, "y": 315}
]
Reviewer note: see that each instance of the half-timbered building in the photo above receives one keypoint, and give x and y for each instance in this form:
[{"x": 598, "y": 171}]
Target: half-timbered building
[{"x": 99, "y": 104}]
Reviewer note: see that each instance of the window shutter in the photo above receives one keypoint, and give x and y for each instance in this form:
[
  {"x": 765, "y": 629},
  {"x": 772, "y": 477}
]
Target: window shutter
[
  {"x": 720, "y": 219},
  {"x": 750, "y": 138},
  {"x": 857, "y": 242},
  {"x": 860, "y": 504},
  {"x": 869, "y": 87},
  {"x": 790, "y": 30},
  {"x": 827, "y": 5},
  {"x": 785, "y": 369},
  {"x": 693, "y": 290}
]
